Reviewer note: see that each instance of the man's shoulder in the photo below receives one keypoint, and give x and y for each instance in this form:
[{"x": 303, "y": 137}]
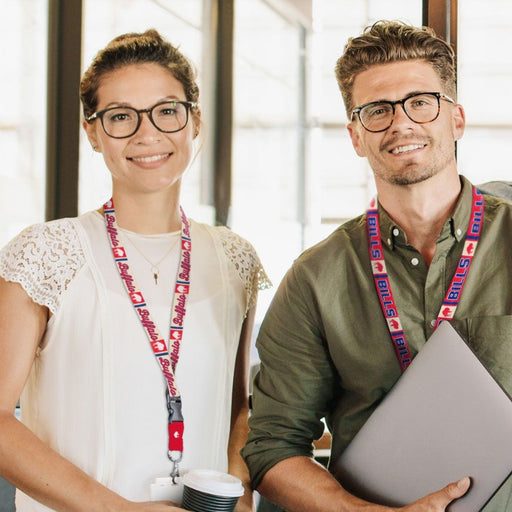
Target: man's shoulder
[
  {"x": 348, "y": 238},
  {"x": 499, "y": 189}
]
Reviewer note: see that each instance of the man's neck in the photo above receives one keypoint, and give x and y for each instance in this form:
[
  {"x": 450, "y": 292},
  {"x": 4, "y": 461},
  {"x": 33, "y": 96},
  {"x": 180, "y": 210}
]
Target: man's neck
[{"x": 421, "y": 209}]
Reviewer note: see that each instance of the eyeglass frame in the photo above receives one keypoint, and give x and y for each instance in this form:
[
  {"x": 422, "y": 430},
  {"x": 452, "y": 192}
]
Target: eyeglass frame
[
  {"x": 438, "y": 95},
  {"x": 189, "y": 105}
]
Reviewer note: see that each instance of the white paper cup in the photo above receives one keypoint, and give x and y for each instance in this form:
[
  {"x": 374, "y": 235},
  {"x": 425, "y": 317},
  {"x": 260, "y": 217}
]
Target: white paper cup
[{"x": 206, "y": 490}]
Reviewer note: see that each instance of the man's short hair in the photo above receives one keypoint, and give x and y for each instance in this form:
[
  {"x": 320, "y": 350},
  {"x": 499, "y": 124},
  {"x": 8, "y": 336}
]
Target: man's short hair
[{"x": 392, "y": 41}]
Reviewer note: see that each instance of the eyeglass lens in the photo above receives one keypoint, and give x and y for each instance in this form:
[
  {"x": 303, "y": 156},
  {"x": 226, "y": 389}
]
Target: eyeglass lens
[
  {"x": 421, "y": 108},
  {"x": 122, "y": 122}
]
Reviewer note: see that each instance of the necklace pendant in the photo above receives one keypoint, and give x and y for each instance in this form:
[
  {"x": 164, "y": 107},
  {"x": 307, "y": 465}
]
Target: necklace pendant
[{"x": 155, "y": 271}]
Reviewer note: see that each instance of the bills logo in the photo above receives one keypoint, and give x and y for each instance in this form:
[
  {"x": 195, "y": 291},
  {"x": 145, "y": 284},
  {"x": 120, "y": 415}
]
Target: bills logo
[
  {"x": 137, "y": 298},
  {"x": 447, "y": 312},
  {"x": 182, "y": 288},
  {"x": 394, "y": 324},
  {"x": 158, "y": 346},
  {"x": 176, "y": 334},
  {"x": 186, "y": 245},
  {"x": 469, "y": 248},
  {"x": 379, "y": 267},
  {"x": 373, "y": 204},
  {"x": 109, "y": 204},
  {"x": 119, "y": 252}
]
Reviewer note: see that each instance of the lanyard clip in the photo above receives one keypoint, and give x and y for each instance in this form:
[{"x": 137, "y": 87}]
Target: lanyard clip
[
  {"x": 175, "y": 472},
  {"x": 175, "y": 428},
  {"x": 174, "y": 408}
]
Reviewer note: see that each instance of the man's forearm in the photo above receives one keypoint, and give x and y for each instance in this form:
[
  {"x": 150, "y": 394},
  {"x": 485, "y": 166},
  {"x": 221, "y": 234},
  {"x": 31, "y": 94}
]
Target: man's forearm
[{"x": 299, "y": 484}]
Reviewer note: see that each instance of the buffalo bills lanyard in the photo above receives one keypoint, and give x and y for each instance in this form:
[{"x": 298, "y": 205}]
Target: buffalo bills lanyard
[
  {"x": 167, "y": 357},
  {"x": 383, "y": 285}
]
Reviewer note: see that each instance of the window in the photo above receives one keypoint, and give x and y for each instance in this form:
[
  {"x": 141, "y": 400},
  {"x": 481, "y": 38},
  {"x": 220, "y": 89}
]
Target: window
[
  {"x": 484, "y": 85},
  {"x": 23, "y": 32}
]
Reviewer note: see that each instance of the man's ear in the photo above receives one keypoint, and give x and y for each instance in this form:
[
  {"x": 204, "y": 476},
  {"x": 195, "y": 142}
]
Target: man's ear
[
  {"x": 459, "y": 121},
  {"x": 355, "y": 137}
]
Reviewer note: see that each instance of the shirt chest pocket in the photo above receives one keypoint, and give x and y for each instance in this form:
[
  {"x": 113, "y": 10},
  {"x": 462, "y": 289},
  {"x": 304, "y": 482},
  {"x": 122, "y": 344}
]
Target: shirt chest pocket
[{"x": 491, "y": 340}]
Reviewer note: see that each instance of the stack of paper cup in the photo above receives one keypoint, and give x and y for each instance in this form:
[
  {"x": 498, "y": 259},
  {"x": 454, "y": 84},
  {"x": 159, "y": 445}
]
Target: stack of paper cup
[{"x": 210, "y": 491}]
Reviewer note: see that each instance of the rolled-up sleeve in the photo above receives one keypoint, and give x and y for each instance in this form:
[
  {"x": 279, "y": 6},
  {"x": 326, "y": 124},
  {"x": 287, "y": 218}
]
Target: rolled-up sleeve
[{"x": 295, "y": 383}]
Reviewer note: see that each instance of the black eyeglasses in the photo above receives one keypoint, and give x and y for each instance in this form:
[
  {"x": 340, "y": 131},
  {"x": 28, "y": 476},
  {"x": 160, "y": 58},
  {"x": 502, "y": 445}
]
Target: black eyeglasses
[
  {"x": 423, "y": 107},
  {"x": 122, "y": 122}
]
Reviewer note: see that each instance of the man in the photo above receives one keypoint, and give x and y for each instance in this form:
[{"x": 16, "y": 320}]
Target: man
[{"x": 326, "y": 349}]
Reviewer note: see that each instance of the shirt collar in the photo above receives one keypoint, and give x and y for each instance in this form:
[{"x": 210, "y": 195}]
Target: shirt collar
[{"x": 455, "y": 226}]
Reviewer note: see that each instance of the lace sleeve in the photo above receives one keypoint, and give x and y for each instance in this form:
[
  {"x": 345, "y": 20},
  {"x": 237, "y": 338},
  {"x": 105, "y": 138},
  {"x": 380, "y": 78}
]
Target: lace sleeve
[
  {"x": 44, "y": 259},
  {"x": 243, "y": 256}
]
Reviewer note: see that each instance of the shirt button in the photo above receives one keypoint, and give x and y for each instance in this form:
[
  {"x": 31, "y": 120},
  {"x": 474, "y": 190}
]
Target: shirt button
[
  {"x": 415, "y": 261},
  {"x": 396, "y": 231},
  {"x": 433, "y": 323},
  {"x": 459, "y": 232}
]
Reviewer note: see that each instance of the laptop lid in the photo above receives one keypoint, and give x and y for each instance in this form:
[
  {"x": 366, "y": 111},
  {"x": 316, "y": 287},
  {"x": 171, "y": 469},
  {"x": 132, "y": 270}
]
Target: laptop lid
[{"x": 445, "y": 418}]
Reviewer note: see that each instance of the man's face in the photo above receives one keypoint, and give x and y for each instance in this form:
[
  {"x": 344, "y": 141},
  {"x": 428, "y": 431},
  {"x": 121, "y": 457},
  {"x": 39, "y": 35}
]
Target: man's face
[{"x": 407, "y": 152}]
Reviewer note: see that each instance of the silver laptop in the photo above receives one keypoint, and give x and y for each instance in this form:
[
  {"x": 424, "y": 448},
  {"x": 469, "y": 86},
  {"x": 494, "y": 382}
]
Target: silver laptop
[{"x": 445, "y": 418}]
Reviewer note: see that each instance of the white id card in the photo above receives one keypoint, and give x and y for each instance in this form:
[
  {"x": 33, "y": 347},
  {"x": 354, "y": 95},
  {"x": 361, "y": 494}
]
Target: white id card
[{"x": 164, "y": 490}]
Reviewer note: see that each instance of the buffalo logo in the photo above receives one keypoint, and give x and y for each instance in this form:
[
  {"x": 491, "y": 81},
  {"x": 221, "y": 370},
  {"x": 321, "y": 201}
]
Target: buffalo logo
[
  {"x": 394, "y": 324},
  {"x": 448, "y": 311},
  {"x": 469, "y": 248},
  {"x": 158, "y": 345},
  {"x": 182, "y": 288},
  {"x": 186, "y": 245},
  {"x": 119, "y": 252},
  {"x": 378, "y": 266},
  {"x": 136, "y": 298},
  {"x": 176, "y": 334}
]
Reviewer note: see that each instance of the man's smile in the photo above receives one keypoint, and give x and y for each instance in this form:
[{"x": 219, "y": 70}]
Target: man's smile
[{"x": 405, "y": 149}]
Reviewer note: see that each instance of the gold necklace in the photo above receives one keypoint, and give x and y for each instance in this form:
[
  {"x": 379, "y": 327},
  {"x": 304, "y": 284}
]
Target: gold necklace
[{"x": 155, "y": 269}]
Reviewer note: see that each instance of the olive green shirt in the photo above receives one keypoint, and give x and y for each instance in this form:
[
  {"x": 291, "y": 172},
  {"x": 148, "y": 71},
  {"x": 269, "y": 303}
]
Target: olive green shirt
[{"x": 325, "y": 347}]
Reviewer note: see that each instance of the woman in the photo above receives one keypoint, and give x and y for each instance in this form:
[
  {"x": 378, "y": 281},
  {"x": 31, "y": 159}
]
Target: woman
[{"x": 112, "y": 320}]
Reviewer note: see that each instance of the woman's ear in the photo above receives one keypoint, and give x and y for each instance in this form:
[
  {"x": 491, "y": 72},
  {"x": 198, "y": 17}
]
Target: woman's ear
[
  {"x": 91, "y": 135},
  {"x": 196, "y": 119}
]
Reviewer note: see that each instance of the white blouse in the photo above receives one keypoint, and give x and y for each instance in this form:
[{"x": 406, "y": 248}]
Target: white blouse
[{"x": 96, "y": 394}]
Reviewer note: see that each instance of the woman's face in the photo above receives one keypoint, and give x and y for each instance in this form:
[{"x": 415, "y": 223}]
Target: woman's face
[{"x": 149, "y": 160}]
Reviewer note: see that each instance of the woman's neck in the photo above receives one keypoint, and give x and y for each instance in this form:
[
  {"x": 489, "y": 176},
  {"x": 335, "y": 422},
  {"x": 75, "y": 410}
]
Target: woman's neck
[{"x": 148, "y": 213}]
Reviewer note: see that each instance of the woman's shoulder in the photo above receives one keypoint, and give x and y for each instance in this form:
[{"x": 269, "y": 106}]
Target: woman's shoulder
[
  {"x": 56, "y": 235},
  {"x": 240, "y": 253},
  {"x": 44, "y": 258}
]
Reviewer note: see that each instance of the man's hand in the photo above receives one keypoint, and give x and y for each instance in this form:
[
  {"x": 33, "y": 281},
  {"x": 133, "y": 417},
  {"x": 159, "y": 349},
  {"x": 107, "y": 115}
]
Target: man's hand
[{"x": 439, "y": 500}]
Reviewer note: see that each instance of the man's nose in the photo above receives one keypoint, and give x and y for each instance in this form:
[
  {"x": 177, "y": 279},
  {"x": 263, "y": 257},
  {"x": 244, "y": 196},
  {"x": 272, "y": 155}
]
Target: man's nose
[{"x": 400, "y": 117}]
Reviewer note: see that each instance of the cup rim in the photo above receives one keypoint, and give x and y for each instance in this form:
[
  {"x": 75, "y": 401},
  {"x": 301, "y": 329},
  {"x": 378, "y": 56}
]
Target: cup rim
[{"x": 213, "y": 482}]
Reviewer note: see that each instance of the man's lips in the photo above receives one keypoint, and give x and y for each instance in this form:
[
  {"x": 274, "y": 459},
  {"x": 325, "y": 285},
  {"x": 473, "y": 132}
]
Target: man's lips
[
  {"x": 149, "y": 159},
  {"x": 407, "y": 148}
]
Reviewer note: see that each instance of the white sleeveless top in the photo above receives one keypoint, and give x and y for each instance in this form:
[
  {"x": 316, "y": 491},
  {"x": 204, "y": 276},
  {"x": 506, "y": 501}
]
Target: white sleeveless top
[{"x": 96, "y": 393}]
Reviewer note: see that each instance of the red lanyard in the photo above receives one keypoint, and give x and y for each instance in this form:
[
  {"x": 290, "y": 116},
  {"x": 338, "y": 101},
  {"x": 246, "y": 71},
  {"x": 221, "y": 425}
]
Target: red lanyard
[
  {"x": 167, "y": 356},
  {"x": 383, "y": 285}
]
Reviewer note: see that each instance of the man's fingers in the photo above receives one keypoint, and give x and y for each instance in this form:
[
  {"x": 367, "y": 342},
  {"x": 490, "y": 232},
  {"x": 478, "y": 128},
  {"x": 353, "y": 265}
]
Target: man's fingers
[{"x": 456, "y": 489}]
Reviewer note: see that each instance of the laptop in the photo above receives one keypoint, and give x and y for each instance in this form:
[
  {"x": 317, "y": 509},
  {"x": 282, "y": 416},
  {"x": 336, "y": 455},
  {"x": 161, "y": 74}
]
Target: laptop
[{"x": 444, "y": 419}]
